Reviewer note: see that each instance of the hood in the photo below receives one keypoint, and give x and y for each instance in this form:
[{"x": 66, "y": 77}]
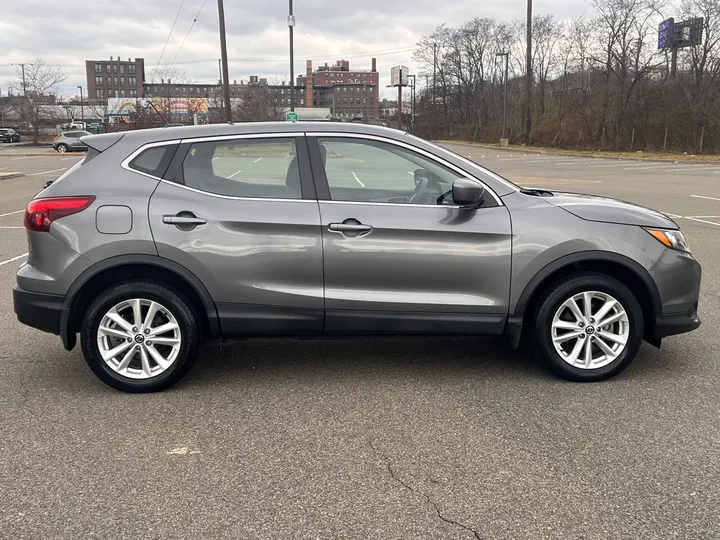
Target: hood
[{"x": 606, "y": 210}]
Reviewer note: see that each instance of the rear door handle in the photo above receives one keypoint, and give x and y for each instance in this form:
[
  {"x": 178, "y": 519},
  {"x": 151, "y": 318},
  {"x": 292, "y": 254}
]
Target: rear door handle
[
  {"x": 349, "y": 227},
  {"x": 184, "y": 220}
]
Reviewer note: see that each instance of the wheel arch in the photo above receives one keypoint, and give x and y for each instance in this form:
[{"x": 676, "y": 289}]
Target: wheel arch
[
  {"x": 110, "y": 271},
  {"x": 620, "y": 267}
]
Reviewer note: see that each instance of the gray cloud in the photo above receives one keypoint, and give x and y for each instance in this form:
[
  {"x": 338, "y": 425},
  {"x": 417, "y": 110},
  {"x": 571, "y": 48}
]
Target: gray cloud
[{"x": 257, "y": 33}]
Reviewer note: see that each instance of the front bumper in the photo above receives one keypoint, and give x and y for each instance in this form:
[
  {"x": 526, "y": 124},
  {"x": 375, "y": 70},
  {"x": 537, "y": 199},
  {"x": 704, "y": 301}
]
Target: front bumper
[
  {"x": 41, "y": 311},
  {"x": 676, "y": 323}
]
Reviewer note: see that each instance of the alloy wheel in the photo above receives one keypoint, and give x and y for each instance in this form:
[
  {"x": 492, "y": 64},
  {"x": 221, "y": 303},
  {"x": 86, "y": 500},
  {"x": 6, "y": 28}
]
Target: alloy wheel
[
  {"x": 590, "y": 330},
  {"x": 139, "y": 338}
]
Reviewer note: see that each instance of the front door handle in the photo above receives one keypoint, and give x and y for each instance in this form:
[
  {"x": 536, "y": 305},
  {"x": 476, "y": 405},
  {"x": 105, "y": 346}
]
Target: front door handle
[{"x": 349, "y": 227}]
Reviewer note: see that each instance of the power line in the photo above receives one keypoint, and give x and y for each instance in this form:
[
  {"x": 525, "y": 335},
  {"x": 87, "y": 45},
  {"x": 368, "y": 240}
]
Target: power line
[
  {"x": 170, "y": 34},
  {"x": 188, "y": 33}
]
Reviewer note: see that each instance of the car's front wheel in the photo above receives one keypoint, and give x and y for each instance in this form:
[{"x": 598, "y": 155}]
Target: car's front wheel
[
  {"x": 588, "y": 327},
  {"x": 140, "y": 337}
]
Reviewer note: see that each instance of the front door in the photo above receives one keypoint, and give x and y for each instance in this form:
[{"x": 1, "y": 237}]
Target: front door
[
  {"x": 241, "y": 214},
  {"x": 399, "y": 255}
]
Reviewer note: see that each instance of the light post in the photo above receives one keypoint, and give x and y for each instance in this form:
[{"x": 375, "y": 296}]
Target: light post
[
  {"x": 412, "y": 110},
  {"x": 224, "y": 63},
  {"x": 505, "y": 139},
  {"x": 82, "y": 109},
  {"x": 291, "y": 24}
]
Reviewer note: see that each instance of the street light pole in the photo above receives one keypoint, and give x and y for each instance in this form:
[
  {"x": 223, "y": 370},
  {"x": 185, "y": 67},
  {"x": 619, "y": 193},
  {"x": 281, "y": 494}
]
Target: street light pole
[
  {"x": 528, "y": 75},
  {"x": 412, "y": 110},
  {"x": 82, "y": 109},
  {"x": 224, "y": 60},
  {"x": 504, "y": 141},
  {"x": 291, "y": 24}
]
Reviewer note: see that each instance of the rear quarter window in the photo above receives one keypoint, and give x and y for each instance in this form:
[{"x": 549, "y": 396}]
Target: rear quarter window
[{"x": 154, "y": 161}]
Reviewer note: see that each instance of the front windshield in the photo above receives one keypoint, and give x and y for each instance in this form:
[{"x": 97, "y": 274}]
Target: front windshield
[{"x": 479, "y": 168}]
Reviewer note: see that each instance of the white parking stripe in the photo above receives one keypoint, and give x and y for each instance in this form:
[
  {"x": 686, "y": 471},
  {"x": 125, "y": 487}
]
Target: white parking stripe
[
  {"x": 357, "y": 179},
  {"x": 695, "y": 168},
  {"x": 16, "y": 158},
  {"x": 703, "y": 221},
  {"x": 46, "y": 172},
  {"x": 12, "y": 213},
  {"x": 236, "y": 172},
  {"x": 4, "y": 168},
  {"x": 704, "y": 197},
  {"x": 258, "y": 159},
  {"x": 12, "y": 227},
  {"x": 13, "y": 259}
]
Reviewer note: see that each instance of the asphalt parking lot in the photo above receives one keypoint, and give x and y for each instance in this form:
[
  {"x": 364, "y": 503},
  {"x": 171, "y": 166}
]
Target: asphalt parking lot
[{"x": 386, "y": 439}]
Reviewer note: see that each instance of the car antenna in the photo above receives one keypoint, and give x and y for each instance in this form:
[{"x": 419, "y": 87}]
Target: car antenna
[{"x": 158, "y": 112}]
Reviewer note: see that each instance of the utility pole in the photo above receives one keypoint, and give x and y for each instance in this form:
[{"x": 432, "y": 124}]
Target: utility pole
[
  {"x": 22, "y": 67},
  {"x": 434, "y": 74},
  {"x": 504, "y": 141},
  {"x": 224, "y": 59},
  {"x": 82, "y": 109},
  {"x": 291, "y": 24},
  {"x": 528, "y": 75}
]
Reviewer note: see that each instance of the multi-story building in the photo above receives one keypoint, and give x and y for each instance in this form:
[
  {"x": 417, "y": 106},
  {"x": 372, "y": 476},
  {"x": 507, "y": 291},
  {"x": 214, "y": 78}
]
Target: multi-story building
[
  {"x": 347, "y": 93},
  {"x": 115, "y": 78}
]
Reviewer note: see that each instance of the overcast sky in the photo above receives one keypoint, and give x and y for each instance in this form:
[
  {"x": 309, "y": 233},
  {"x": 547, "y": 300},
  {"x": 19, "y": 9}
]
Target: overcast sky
[{"x": 68, "y": 33}]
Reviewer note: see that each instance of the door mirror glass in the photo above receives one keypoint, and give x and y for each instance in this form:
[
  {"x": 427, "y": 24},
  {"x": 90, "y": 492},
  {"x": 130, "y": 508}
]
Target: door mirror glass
[{"x": 467, "y": 193}]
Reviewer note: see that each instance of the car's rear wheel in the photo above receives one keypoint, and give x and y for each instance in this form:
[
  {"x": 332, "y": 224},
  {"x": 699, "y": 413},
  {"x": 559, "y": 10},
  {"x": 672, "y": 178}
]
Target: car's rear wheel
[
  {"x": 62, "y": 148},
  {"x": 588, "y": 327},
  {"x": 140, "y": 337}
]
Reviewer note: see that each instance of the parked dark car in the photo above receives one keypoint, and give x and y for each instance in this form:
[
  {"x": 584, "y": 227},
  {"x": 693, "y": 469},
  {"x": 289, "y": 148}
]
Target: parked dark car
[
  {"x": 70, "y": 141},
  {"x": 8, "y": 135},
  {"x": 161, "y": 238}
]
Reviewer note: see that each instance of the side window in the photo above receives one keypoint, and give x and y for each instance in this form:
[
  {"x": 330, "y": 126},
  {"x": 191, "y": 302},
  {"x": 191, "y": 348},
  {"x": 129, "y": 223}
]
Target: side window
[
  {"x": 372, "y": 171},
  {"x": 154, "y": 161},
  {"x": 256, "y": 168}
]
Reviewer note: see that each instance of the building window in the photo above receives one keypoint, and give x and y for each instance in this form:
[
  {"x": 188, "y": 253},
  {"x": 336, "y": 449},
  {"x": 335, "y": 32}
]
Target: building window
[
  {"x": 107, "y": 68},
  {"x": 133, "y": 92},
  {"x": 352, "y": 101},
  {"x": 122, "y": 81},
  {"x": 370, "y": 100},
  {"x": 109, "y": 81},
  {"x": 133, "y": 81},
  {"x": 122, "y": 92},
  {"x": 98, "y": 81},
  {"x": 114, "y": 68},
  {"x": 131, "y": 69},
  {"x": 184, "y": 90},
  {"x": 98, "y": 68},
  {"x": 345, "y": 90},
  {"x": 116, "y": 81},
  {"x": 99, "y": 93},
  {"x": 122, "y": 69},
  {"x": 364, "y": 100},
  {"x": 345, "y": 100}
]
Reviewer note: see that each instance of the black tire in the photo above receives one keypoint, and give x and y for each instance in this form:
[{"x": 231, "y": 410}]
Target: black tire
[
  {"x": 561, "y": 291},
  {"x": 173, "y": 302},
  {"x": 62, "y": 148}
]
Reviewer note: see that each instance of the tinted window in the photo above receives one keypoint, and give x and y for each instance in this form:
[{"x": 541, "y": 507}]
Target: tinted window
[
  {"x": 244, "y": 168},
  {"x": 154, "y": 161},
  {"x": 372, "y": 171}
]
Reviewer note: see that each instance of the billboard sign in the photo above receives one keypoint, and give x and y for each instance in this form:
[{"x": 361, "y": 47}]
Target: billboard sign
[
  {"x": 175, "y": 106},
  {"x": 399, "y": 76},
  {"x": 666, "y": 34}
]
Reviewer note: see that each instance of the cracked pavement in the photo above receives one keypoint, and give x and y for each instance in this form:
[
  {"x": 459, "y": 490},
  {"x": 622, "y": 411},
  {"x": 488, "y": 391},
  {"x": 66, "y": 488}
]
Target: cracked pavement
[{"x": 371, "y": 439}]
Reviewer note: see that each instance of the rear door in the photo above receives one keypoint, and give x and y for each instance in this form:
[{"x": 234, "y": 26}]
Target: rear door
[
  {"x": 241, "y": 214},
  {"x": 400, "y": 256}
]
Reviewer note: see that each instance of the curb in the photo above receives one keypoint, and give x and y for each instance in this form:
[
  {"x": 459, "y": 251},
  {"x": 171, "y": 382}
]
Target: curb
[
  {"x": 580, "y": 155},
  {"x": 28, "y": 154},
  {"x": 8, "y": 176}
]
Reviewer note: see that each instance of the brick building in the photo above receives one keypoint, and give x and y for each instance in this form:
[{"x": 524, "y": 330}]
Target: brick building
[
  {"x": 114, "y": 78},
  {"x": 347, "y": 93}
]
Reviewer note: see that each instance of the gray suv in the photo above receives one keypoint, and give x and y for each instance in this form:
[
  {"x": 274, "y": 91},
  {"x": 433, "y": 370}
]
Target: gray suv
[
  {"x": 69, "y": 141},
  {"x": 163, "y": 238}
]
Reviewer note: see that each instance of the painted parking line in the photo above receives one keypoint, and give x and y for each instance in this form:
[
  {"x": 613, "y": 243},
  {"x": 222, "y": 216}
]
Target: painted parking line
[
  {"x": 236, "y": 172},
  {"x": 17, "y": 158},
  {"x": 705, "y": 197},
  {"x": 4, "y": 168},
  {"x": 2, "y": 263},
  {"x": 46, "y": 172},
  {"x": 258, "y": 159},
  {"x": 695, "y": 168},
  {"x": 12, "y": 227},
  {"x": 357, "y": 179},
  {"x": 12, "y": 213},
  {"x": 702, "y": 221}
]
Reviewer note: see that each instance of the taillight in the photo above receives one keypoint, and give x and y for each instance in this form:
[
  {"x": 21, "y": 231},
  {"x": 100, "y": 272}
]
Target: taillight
[
  {"x": 40, "y": 213},
  {"x": 56, "y": 137}
]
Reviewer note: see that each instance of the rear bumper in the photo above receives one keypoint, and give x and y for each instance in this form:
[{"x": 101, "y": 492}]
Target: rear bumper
[
  {"x": 677, "y": 323},
  {"x": 38, "y": 310}
]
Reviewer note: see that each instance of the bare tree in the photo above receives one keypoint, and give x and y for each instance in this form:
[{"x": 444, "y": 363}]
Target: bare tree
[{"x": 38, "y": 84}]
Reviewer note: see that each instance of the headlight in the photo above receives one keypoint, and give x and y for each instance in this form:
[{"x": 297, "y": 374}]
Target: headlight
[{"x": 674, "y": 239}]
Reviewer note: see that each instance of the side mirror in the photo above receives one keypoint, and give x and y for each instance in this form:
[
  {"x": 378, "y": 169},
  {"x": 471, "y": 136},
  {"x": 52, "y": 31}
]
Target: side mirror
[{"x": 467, "y": 193}]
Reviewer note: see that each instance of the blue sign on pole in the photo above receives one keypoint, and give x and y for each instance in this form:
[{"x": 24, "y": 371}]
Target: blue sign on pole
[{"x": 666, "y": 33}]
